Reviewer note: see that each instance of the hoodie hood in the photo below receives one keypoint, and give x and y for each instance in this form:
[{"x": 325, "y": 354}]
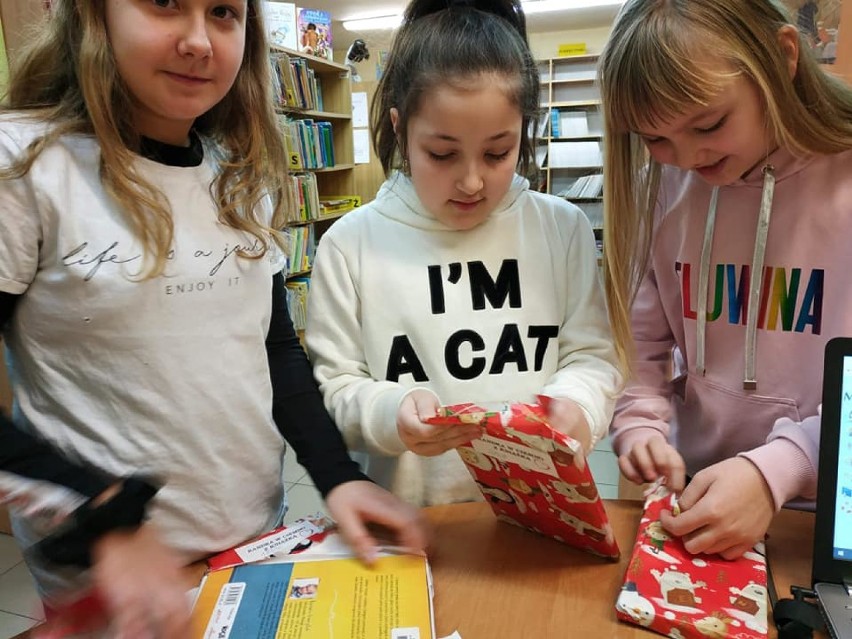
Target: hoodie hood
[{"x": 398, "y": 201}]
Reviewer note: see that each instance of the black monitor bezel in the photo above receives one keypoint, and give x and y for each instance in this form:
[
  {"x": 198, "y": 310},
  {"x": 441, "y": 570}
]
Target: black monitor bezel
[{"x": 825, "y": 567}]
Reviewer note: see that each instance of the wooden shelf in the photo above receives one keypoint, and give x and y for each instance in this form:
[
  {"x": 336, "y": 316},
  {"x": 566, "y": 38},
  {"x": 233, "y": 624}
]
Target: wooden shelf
[
  {"x": 319, "y": 65},
  {"x": 569, "y": 87},
  {"x": 332, "y": 169},
  {"x": 570, "y": 81},
  {"x": 317, "y": 115},
  {"x": 332, "y": 181},
  {"x": 592, "y": 167},
  {"x": 324, "y": 218},
  {"x": 580, "y": 138},
  {"x": 567, "y": 104}
]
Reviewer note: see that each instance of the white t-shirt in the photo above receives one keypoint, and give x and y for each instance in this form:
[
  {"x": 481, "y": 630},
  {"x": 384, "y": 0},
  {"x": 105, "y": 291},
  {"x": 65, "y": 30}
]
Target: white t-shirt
[{"x": 166, "y": 377}]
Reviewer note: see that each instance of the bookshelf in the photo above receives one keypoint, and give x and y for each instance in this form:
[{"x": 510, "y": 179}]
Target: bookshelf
[
  {"x": 571, "y": 134},
  {"x": 314, "y": 103}
]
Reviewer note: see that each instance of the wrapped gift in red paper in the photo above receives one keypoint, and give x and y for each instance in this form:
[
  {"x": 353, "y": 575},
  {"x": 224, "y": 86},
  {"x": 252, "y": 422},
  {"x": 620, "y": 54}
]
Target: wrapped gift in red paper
[
  {"x": 532, "y": 475},
  {"x": 685, "y": 596}
]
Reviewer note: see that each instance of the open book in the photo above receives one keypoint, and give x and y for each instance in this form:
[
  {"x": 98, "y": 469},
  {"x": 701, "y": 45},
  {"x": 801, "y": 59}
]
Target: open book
[
  {"x": 533, "y": 475},
  {"x": 317, "y": 593}
]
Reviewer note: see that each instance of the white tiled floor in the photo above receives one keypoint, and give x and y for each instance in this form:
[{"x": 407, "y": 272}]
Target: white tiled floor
[{"x": 20, "y": 607}]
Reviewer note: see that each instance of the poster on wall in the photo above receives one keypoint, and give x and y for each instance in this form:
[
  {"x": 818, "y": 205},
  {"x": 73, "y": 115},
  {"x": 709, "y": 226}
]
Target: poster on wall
[{"x": 818, "y": 22}]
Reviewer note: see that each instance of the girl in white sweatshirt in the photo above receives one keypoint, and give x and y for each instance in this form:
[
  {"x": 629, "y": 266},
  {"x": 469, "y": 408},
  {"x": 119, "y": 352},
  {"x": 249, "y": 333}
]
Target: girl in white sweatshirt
[
  {"x": 458, "y": 283},
  {"x": 725, "y": 255}
]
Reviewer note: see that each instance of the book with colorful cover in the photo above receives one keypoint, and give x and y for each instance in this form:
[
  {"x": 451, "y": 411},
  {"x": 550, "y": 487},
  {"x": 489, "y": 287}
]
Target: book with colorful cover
[
  {"x": 670, "y": 591},
  {"x": 315, "y": 32},
  {"x": 338, "y": 204},
  {"x": 316, "y": 596},
  {"x": 532, "y": 475},
  {"x": 280, "y": 20}
]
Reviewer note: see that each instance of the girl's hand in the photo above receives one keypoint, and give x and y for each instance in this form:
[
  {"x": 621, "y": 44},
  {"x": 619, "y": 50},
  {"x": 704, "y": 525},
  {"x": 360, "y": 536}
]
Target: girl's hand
[
  {"x": 651, "y": 459},
  {"x": 566, "y": 416},
  {"x": 726, "y": 508},
  {"x": 354, "y": 504},
  {"x": 142, "y": 584},
  {"x": 426, "y": 439}
]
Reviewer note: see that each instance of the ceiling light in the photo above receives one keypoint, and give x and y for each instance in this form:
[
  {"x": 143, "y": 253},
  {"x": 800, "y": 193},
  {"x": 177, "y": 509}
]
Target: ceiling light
[
  {"x": 543, "y": 6},
  {"x": 368, "y": 24},
  {"x": 530, "y": 7}
]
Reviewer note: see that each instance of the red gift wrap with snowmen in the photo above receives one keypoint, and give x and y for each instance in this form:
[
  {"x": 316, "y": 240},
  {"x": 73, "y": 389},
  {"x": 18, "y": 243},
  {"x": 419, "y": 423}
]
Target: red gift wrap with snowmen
[{"x": 685, "y": 596}]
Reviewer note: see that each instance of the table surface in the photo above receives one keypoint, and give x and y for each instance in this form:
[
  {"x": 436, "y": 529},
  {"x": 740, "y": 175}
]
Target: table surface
[
  {"x": 493, "y": 579},
  {"x": 497, "y": 581}
]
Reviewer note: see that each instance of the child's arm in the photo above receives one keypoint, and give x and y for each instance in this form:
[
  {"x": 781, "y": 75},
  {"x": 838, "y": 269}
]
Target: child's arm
[
  {"x": 640, "y": 428},
  {"x": 31, "y": 459},
  {"x": 38, "y": 478},
  {"x": 297, "y": 403},
  {"x": 352, "y": 499},
  {"x": 587, "y": 372},
  {"x": 364, "y": 408}
]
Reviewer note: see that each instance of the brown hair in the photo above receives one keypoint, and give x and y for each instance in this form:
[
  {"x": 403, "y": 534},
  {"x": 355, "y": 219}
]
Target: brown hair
[{"x": 443, "y": 42}]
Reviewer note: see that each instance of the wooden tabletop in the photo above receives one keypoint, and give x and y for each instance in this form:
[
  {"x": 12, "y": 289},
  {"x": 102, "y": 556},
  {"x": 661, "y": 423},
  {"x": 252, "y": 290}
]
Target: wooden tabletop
[{"x": 496, "y": 581}]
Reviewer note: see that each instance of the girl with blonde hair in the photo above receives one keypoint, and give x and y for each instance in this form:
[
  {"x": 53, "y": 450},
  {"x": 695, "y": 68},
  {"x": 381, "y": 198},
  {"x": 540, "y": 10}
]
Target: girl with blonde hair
[
  {"x": 728, "y": 177},
  {"x": 144, "y": 319}
]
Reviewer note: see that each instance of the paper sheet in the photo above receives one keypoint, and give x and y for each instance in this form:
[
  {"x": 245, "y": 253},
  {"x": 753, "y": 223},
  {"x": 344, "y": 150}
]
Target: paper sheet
[
  {"x": 362, "y": 145},
  {"x": 359, "y": 109}
]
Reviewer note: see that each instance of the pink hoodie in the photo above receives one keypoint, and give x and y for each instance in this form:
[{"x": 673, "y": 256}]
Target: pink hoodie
[{"x": 805, "y": 298}]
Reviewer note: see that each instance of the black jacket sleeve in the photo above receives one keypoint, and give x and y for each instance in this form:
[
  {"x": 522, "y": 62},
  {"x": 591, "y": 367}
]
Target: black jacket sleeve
[
  {"x": 25, "y": 455},
  {"x": 297, "y": 405}
]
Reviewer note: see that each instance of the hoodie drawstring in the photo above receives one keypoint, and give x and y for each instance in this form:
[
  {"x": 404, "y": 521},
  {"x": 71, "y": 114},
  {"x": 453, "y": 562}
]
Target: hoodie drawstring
[
  {"x": 750, "y": 379},
  {"x": 755, "y": 279},
  {"x": 703, "y": 277}
]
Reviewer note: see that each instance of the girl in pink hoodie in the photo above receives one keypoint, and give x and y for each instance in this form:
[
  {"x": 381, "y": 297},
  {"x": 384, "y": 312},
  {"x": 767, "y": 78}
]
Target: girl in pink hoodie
[{"x": 728, "y": 192}]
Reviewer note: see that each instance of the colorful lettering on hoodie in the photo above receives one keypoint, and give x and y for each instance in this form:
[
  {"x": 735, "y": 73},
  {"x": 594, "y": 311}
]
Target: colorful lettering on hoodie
[{"x": 786, "y": 296}]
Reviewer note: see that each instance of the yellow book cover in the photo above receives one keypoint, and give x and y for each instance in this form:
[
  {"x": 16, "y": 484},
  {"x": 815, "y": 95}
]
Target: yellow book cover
[{"x": 337, "y": 598}]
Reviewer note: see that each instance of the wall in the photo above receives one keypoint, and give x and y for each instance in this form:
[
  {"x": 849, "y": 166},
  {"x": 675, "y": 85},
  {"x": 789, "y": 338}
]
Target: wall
[
  {"x": 369, "y": 177},
  {"x": 543, "y": 45},
  {"x": 843, "y": 66},
  {"x": 4, "y": 62},
  {"x": 546, "y": 45},
  {"x": 19, "y": 18}
]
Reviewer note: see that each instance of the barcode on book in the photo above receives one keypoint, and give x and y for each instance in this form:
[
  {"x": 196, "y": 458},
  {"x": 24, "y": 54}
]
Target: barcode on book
[
  {"x": 222, "y": 620},
  {"x": 405, "y": 633},
  {"x": 232, "y": 593}
]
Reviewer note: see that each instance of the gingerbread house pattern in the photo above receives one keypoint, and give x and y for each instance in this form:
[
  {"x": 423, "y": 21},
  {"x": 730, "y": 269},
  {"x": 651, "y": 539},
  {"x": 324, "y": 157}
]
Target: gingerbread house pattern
[
  {"x": 532, "y": 475},
  {"x": 684, "y": 596}
]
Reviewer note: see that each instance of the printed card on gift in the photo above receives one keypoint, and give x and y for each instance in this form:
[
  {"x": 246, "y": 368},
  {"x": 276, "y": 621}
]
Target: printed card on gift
[{"x": 532, "y": 475}]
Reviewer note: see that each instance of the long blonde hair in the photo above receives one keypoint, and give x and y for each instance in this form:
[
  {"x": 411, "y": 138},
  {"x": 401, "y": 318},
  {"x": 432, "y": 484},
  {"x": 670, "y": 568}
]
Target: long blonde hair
[
  {"x": 67, "y": 78},
  {"x": 653, "y": 68}
]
